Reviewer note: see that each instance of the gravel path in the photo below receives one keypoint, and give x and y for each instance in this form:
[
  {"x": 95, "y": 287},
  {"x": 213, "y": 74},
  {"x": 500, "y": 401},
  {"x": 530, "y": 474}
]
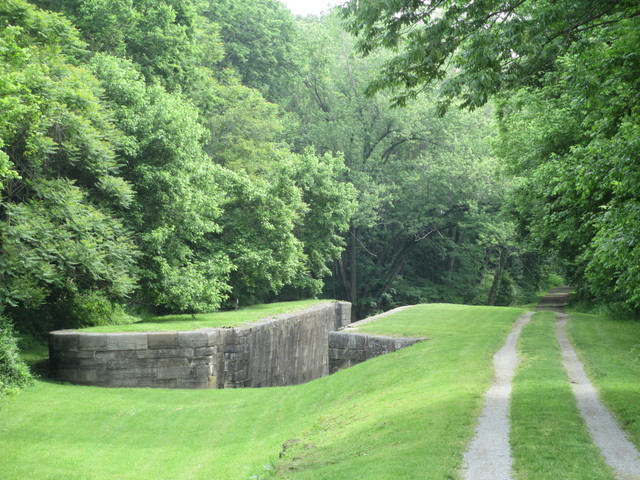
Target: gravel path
[
  {"x": 489, "y": 454},
  {"x": 617, "y": 450}
]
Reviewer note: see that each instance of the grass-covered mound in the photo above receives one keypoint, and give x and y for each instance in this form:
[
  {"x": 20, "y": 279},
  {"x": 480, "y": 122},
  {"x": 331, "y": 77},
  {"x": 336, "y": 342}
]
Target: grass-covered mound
[
  {"x": 400, "y": 416},
  {"x": 231, "y": 318}
]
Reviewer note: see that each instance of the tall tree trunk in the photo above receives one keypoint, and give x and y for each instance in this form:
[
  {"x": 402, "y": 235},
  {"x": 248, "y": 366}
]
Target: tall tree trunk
[
  {"x": 353, "y": 275},
  {"x": 495, "y": 285},
  {"x": 452, "y": 256}
]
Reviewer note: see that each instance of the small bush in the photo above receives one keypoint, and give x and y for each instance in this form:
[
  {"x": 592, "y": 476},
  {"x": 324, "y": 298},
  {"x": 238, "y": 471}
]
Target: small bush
[
  {"x": 14, "y": 374},
  {"x": 89, "y": 309}
]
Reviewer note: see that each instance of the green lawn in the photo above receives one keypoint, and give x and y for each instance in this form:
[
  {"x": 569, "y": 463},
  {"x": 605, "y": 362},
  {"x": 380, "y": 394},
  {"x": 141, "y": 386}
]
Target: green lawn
[
  {"x": 406, "y": 415},
  {"x": 610, "y": 350},
  {"x": 231, "y": 318},
  {"x": 549, "y": 440}
]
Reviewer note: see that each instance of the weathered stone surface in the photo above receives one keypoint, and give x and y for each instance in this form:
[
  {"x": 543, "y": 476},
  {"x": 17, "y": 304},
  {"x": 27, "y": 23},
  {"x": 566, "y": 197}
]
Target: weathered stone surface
[
  {"x": 195, "y": 339},
  {"x": 64, "y": 341},
  {"x": 126, "y": 341},
  {"x": 164, "y": 340},
  {"x": 92, "y": 341},
  {"x": 347, "y": 349}
]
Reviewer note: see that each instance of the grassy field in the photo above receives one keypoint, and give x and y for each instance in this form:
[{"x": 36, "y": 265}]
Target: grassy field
[
  {"x": 231, "y": 318},
  {"x": 549, "y": 440},
  {"x": 405, "y": 415}
]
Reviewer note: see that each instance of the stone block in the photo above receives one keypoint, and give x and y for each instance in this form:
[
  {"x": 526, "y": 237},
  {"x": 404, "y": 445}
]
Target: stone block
[
  {"x": 90, "y": 363},
  {"x": 338, "y": 340},
  {"x": 380, "y": 345},
  {"x": 195, "y": 339},
  {"x": 63, "y": 341},
  {"x": 175, "y": 371},
  {"x": 214, "y": 337},
  {"x": 234, "y": 348},
  {"x": 138, "y": 372},
  {"x": 162, "y": 340},
  {"x": 79, "y": 354},
  {"x": 92, "y": 341},
  {"x": 336, "y": 353},
  {"x": 126, "y": 341},
  {"x": 357, "y": 341},
  {"x": 88, "y": 377},
  {"x": 205, "y": 351},
  {"x": 67, "y": 374},
  {"x": 192, "y": 383}
]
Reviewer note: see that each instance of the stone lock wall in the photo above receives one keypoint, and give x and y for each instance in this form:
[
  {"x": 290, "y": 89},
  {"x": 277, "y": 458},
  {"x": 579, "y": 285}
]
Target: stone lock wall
[
  {"x": 283, "y": 350},
  {"x": 348, "y": 348}
]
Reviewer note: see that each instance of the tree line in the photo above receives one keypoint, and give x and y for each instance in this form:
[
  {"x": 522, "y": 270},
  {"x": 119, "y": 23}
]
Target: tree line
[
  {"x": 564, "y": 81},
  {"x": 166, "y": 156}
]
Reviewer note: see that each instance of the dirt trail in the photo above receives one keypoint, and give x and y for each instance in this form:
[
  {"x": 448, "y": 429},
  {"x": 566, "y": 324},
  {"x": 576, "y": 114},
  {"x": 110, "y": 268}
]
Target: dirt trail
[
  {"x": 489, "y": 454},
  {"x": 619, "y": 453}
]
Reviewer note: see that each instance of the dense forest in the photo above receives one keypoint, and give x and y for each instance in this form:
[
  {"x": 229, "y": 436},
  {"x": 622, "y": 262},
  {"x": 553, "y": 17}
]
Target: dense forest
[{"x": 165, "y": 156}]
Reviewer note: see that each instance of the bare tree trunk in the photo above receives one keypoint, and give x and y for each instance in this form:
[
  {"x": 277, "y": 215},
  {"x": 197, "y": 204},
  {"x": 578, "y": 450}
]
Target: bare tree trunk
[
  {"x": 353, "y": 275},
  {"x": 495, "y": 285}
]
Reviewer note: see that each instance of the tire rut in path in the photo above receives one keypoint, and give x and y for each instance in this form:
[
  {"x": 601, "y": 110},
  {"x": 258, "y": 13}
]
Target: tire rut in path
[
  {"x": 489, "y": 454},
  {"x": 619, "y": 453}
]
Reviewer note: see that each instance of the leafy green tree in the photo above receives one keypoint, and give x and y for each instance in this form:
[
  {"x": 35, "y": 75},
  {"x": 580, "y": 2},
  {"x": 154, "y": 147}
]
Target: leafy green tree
[
  {"x": 566, "y": 76},
  {"x": 61, "y": 232},
  {"x": 575, "y": 139},
  {"x": 330, "y": 205},
  {"x": 260, "y": 40},
  {"x": 198, "y": 156},
  {"x": 423, "y": 183},
  {"x": 177, "y": 208},
  {"x": 491, "y": 46},
  {"x": 168, "y": 40},
  {"x": 14, "y": 374}
]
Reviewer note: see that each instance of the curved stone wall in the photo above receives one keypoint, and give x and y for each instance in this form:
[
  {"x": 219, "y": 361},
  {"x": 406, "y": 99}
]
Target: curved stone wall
[{"x": 284, "y": 350}]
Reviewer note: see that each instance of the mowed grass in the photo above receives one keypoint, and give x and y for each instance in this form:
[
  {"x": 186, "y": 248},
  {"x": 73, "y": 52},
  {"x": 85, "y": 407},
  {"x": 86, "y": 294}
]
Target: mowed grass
[
  {"x": 549, "y": 439},
  {"x": 231, "y": 318},
  {"x": 405, "y": 415},
  {"x": 610, "y": 351}
]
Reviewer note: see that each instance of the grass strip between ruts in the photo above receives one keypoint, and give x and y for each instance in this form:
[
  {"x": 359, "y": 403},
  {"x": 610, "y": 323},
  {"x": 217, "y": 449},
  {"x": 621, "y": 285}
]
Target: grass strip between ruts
[
  {"x": 610, "y": 351},
  {"x": 549, "y": 439}
]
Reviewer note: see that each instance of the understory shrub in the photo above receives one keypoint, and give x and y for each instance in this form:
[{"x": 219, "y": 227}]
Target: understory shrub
[{"x": 14, "y": 374}]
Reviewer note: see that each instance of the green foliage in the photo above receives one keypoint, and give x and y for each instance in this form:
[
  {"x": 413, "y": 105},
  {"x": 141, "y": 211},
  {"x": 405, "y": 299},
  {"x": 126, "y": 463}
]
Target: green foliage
[
  {"x": 492, "y": 45},
  {"x": 429, "y": 223},
  {"x": 167, "y": 40},
  {"x": 576, "y": 139},
  {"x": 260, "y": 39},
  {"x": 59, "y": 232},
  {"x": 58, "y": 242},
  {"x": 330, "y": 204},
  {"x": 258, "y": 232},
  {"x": 14, "y": 374},
  {"x": 177, "y": 205}
]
